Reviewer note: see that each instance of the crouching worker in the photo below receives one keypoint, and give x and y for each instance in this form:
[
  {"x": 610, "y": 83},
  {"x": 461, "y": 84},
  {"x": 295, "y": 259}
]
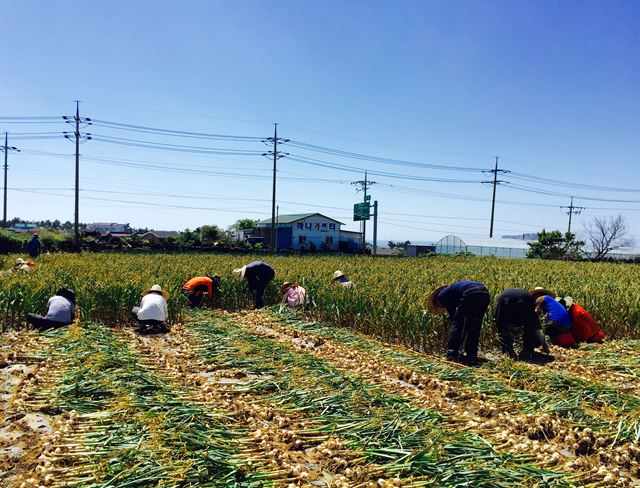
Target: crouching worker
[
  {"x": 152, "y": 312},
  {"x": 258, "y": 275},
  {"x": 466, "y": 302},
  {"x": 196, "y": 288},
  {"x": 516, "y": 308},
  {"x": 584, "y": 327},
  {"x": 293, "y": 295},
  {"x": 60, "y": 310},
  {"x": 558, "y": 322}
]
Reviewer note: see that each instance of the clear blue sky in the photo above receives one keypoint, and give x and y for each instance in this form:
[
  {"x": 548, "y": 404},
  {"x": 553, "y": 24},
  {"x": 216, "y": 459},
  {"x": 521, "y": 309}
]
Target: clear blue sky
[{"x": 552, "y": 88}]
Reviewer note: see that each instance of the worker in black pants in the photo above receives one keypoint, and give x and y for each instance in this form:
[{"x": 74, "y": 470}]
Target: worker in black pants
[
  {"x": 258, "y": 275},
  {"x": 466, "y": 302},
  {"x": 516, "y": 308}
]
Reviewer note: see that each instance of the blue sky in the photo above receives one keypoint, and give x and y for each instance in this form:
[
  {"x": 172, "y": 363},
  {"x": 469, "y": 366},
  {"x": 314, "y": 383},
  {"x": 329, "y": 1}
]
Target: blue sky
[{"x": 552, "y": 88}]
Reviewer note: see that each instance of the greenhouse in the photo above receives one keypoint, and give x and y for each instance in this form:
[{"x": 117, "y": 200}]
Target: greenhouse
[{"x": 502, "y": 248}]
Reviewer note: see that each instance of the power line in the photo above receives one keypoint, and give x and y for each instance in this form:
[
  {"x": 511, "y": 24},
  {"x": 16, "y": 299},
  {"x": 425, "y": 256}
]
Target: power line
[{"x": 171, "y": 132}]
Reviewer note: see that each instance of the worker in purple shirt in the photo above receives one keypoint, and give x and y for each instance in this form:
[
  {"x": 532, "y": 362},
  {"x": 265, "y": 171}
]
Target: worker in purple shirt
[
  {"x": 466, "y": 302},
  {"x": 60, "y": 310},
  {"x": 258, "y": 275}
]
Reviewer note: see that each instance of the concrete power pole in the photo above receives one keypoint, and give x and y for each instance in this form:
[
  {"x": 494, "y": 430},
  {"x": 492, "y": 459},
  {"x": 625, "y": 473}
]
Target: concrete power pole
[
  {"x": 77, "y": 137},
  {"x": 6, "y": 150},
  {"x": 375, "y": 227},
  {"x": 364, "y": 186},
  {"x": 276, "y": 155},
  {"x": 495, "y": 183},
  {"x": 573, "y": 210}
]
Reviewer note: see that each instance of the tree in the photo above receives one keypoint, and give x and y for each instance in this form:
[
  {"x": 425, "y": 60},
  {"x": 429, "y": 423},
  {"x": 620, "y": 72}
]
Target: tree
[
  {"x": 401, "y": 247},
  {"x": 605, "y": 235},
  {"x": 555, "y": 245},
  {"x": 210, "y": 234},
  {"x": 244, "y": 224}
]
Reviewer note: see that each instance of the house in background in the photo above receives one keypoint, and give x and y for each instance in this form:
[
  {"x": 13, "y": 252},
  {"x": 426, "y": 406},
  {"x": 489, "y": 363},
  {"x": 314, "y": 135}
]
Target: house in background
[
  {"x": 309, "y": 232},
  {"x": 158, "y": 236},
  {"x": 107, "y": 227}
]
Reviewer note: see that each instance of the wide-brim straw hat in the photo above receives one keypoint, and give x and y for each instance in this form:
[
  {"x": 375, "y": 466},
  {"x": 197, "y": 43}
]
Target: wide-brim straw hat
[
  {"x": 568, "y": 301},
  {"x": 539, "y": 291},
  {"x": 285, "y": 285},
  {"x": 337, "y": 274},
  {"x": 239, "y": 272},
  {"x": 156, "y": 289},
  {"x": 431, "y": 301}
]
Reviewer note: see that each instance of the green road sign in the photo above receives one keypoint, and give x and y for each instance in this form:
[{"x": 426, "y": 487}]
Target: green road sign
[
  {"x": 361, "y": 211},
  {"x": 367, "y": 198}
]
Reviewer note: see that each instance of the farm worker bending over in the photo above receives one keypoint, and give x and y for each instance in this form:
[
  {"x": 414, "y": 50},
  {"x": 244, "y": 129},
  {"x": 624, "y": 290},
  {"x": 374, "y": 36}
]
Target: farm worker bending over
[
  {"x": 584, "y": 327},
  {"x": 258, "y": 275},
  {"x": 33, "y": 246},
  {"x": 293, "y": 294},
  {"x": 60, "y": 309},
  {"x": 152, "y": 312},
  {"x": 466, "y": 302},
  {"x": 516, "y": 308},
  {"x": 558, "y": 322},
  {"x": 339, "y": 278},
  {"x": 22, "y": 265},
  {"x": 197, "y": 287}
]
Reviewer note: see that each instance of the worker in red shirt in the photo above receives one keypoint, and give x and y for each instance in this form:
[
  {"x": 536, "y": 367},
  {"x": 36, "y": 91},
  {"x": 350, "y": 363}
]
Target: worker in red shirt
[
  {"x": 196, "y": 288},
  {"x": 584, "y": 327}
]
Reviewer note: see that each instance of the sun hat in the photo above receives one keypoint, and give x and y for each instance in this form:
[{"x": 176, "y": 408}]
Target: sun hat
[
  {"x": 285, "y": 285},
  {"x": 156, "y": 289},
  {"x": 337, "y": 274},
  {"x": 431, "y": 301},
  {"x": 539, "y": 291},
  {"x": 568, "y": 301},
  {"x": 239, "y": 272}
]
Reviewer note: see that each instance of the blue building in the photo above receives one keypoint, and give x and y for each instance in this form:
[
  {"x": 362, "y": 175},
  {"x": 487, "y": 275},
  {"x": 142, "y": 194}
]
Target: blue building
[{"x": 309, "y": 232}]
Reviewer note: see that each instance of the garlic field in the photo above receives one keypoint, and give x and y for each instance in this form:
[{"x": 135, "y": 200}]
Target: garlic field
[
  {"x": 352, "y": 392},
  {"x": 267, "y": 398}
]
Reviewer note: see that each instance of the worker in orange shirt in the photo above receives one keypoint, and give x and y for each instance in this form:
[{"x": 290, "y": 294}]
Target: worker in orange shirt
[
  {"x": 196, "y": 288},
  {"x": 584, "y": 327}
]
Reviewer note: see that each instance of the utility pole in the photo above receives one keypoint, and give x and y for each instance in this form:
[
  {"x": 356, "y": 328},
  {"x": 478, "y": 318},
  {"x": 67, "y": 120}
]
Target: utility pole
[
  {"x": 573, "y": 210},
  {"x": 495, "y": 183},
  {"x": 6, "y": 149},
  {"x": 77, "y": 137},
  {"x": 276, "y": 155},
  {"x": 364, "y": 186},
  {"x": 375, "y": 227}
]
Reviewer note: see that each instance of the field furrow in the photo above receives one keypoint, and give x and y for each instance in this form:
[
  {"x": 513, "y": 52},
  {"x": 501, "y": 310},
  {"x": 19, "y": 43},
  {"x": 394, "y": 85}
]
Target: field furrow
[{"x": 554, "y": 440}]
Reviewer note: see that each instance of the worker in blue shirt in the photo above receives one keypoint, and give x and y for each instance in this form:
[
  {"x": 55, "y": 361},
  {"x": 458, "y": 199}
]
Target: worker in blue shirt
[
  {"x": 33, "y": 246},
  {"x": 466, "y": 302},
  {"x": 557, "y": 321}
]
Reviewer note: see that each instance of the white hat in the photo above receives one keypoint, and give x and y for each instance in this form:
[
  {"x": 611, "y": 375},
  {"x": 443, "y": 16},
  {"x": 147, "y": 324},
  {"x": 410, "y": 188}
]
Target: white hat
[
  {"x": 20, "y": 261},
  {"x": 156, "y": 288},
  {"x": 337, "y": 274},
  {"x": 568, "y": 301},
  {"x": 239, "y": 272}
]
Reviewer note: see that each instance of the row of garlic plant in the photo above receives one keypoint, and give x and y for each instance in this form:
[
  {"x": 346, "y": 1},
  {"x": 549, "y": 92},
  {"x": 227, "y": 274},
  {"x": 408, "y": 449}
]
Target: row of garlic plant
[
  {"x": 403, "y": 441},
  {"x": 588, "y": 403},
  {"x": 389, "y": 300},
  {"x": 142, "y": 430}
]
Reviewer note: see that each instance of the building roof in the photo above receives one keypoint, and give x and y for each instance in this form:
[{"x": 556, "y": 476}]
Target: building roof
[
  {"x": 291, "y": 218},
  {"x": 162, "y": 234},
  {"x": 484, "y": 242}
]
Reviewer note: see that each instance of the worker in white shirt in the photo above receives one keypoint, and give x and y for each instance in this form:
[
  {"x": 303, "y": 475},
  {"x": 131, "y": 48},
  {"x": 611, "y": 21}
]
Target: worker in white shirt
[
  {"x": 152, "y": 312},
  {"x": 60, "y": 311}
]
